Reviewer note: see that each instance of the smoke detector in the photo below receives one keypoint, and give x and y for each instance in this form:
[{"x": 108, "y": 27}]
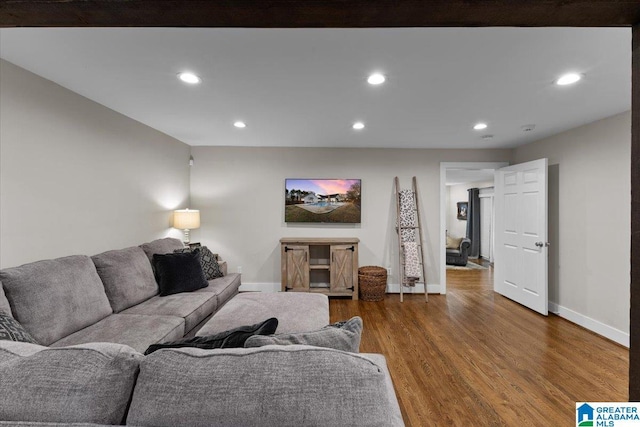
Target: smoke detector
[{"x": 528, "y": 128}]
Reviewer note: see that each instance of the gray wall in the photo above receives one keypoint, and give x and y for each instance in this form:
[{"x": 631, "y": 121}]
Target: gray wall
[
  {"x": 589, "y": 221},
  {"x": 77, "y": 177},
  {"x": 459, "y": 193},
  {"x": 240, "y": 192}
]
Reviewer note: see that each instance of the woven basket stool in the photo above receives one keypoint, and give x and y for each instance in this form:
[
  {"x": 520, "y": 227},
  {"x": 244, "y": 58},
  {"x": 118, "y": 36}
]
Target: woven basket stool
[{"x": 372, "y": 283}]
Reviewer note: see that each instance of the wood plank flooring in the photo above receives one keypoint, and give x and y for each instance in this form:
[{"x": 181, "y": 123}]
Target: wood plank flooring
[{"x": 473, "y": 357}]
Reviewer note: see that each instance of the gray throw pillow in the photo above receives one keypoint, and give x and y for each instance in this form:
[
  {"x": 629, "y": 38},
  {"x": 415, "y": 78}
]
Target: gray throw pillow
[
  {"x": 343, "y": 336},
  {"x": 11, "y": 330}
]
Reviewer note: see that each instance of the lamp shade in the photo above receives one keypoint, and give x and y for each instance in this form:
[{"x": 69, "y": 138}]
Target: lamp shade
[{"x": 186, "y": 219}]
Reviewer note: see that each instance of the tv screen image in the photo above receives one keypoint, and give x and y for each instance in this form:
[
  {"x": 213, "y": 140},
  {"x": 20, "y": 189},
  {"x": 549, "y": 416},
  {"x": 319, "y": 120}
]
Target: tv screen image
[{"x": 322, "y": 200}]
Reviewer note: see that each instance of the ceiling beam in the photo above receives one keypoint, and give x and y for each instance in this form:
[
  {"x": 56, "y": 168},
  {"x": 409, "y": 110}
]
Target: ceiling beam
[{"x": 317, "y": 13}]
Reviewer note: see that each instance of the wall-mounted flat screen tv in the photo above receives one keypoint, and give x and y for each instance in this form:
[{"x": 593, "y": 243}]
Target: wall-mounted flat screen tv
[{"x": 322, "y": 200}]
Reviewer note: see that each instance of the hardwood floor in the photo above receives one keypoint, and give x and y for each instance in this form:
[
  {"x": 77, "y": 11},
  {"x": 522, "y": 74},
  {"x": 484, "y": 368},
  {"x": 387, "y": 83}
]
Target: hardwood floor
[{"x": 473, "y": 357}]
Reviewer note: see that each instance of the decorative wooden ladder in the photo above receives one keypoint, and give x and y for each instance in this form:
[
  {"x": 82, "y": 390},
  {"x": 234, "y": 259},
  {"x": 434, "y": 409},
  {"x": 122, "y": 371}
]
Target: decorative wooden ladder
[{"x": 404, "y": 281}]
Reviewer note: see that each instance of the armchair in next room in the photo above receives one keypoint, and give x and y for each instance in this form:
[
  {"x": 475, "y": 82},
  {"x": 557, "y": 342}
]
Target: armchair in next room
[{"x": 458, "y": 251}]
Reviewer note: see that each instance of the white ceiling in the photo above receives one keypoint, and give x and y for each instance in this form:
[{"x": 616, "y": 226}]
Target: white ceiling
[{"x": 305, "y": 87}]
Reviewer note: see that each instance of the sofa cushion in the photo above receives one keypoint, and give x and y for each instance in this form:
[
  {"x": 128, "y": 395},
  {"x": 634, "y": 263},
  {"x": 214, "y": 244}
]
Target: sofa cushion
[
  {"x": 135, "y": 331},
  {"x": 161, "y": 246},
  {"x": 304, "y": 312},
  {"x": 223, "y": 287},
  {"x": 127, "y": 277},
  {"x": 343, "y": 336},
  {"x": 55, "y": 298},
  {"x": 9, "y": 349},
  {"x": 91, "y": 383},
  {"x": 227, "y": 339},
  {"x": 4, "y": 303},
  {"x": 266, "y": 386},
  {"x": 11, "y": 330},
  {"x": 179, "y": 272},
  {"x": 192, "y": 307}
]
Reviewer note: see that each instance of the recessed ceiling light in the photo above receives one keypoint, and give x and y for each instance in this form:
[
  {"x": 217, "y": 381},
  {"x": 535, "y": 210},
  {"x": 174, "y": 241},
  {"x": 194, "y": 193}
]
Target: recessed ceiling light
[
  {"x": 190, "y": 78},
  {"x": 568, "y": 79},
  {"x": 358, "y": 125},
  {"x": 376, "y": 79},
  {"x": 480, "y": 126},
  {"x": 240, "y": 124}
]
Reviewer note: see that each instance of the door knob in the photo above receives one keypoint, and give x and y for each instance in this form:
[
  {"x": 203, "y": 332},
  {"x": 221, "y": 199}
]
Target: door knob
[{"x": 541, "y": 244}]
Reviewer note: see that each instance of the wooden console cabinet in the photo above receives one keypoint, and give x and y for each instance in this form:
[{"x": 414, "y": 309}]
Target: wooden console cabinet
[{"x": 324, "y": 265}]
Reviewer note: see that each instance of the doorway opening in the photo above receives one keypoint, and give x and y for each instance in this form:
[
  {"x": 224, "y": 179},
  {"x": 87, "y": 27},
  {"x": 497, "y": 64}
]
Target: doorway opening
[{"x": 455, "y": 179}]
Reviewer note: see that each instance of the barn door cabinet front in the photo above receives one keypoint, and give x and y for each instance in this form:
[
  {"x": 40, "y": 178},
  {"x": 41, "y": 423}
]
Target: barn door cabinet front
[{"x": 323, "y": 265}]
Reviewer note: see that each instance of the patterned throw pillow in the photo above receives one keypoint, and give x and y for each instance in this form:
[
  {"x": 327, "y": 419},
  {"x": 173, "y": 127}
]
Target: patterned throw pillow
[
  {"x": 11, "y": 330},
  {"x": 208, "y": 261},
  {"x": 210, "y": 264}
]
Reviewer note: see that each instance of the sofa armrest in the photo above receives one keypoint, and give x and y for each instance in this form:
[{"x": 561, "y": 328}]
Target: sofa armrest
[
  {"x": 465, "y": 245},
  {"x": 392, "y": 402}
]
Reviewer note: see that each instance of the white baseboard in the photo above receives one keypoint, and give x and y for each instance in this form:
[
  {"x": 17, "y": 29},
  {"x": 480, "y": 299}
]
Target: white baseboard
[
  {"x": 593, "y": 325},
  {"x": 260, "y": 287},
  {"x": 392, "y": 288}
]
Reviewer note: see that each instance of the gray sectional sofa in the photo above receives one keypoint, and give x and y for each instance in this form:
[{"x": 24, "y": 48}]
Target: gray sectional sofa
[
  {"x": 94, "y": 316},
  {"x": 111, "y": 384},
  {"x": 110, "y": 297}
]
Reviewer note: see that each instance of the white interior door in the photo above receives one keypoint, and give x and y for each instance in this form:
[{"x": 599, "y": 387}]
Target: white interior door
[{"x": 520, "y": 271}]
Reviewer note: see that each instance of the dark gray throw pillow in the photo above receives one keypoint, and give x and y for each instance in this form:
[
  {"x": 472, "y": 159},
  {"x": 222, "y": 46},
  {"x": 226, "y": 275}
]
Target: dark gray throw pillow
[
  {"x": 208, "y": 261},
  {"x": 11, "y": 330},
  {"x": 228, "y": 339},
  {"x": 179, "y": 272},
  {"x": 343, "y": 336}
]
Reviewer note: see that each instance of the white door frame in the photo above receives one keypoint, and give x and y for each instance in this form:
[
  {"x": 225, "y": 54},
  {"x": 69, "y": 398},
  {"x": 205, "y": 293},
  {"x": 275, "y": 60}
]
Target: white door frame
[
  {"x": 493, "y": 223},
  {"x": 443, "y": 208}
]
